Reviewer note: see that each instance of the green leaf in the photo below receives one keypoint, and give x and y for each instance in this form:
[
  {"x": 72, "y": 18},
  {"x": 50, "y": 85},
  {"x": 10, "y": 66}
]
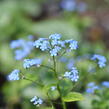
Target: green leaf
[
  {"x": 52, "y": 94},
  {"x": 65, "y": 86},
  {"x": 48, "y": 87},
  {"x": 73, "y": 96}
]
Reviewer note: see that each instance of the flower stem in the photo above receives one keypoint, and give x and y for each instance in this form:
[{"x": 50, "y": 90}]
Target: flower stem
[
  {"x": 58, "y": 87},
  {"x": 28, "y": 79},
  {"x": 37, "y": 83},
  {"x": 47, "y": 67}
]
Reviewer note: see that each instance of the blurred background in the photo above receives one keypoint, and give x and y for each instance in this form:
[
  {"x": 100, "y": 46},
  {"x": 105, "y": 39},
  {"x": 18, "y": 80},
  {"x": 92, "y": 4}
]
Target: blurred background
[{"x": 84, "y": 20}]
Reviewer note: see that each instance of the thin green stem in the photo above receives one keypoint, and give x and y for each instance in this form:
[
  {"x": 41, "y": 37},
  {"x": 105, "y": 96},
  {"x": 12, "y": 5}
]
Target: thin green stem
[
  {"x": 58, "y": 87},
  {"x": 63, "y": 103},
  {"x": 25, "y": 78},
  {"x": 63, "y": 53},
  {"x": 37, "y": 83},
  {"x": 47, "y": 67},
  {"x": 54, "y": 63}
]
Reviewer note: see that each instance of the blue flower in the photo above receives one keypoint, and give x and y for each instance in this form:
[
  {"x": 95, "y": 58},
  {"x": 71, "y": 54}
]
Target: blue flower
[
  {"x": 70, "y": 64},
  {"x": 55, "y": 36},
  {"x": 54, "y": 51},
  {"x": 38, "y": 42},
  {"x": 101, "y": 60},
  {"x": 105, "y": 83},
  {"x": 22, "y": 48},
  {"x": 73, "y": 45},
  {"x": 53, "y": 44},
  {"x": 72, "y": 75},
  {"x": 31, "y": 62},
  {"x": 44, "y": 46},
  {"x": 55, "y": 40},
  {"x": 14, "y": 75},
  {"x": 20, "y": 54},
  {"x": 16, "y": 43},
  {"x": 61, "y": 43},
  {"x": 53, "y": 88},
  {"x": 91, "y": 87},
  {"x": 36, "y": 101},
  {"x": 25, "y": 50},
  {"x": 68, "y": 5},
  {"x": 42, "y": 43}
]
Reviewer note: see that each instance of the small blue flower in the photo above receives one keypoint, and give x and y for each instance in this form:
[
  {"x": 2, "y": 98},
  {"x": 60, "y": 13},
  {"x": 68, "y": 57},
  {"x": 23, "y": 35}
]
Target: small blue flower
[
  {"x": 55, "y": 36},
  {"x": 73, "y": 45},
  {"x": 16, "y": 43},
  {"x": 42, "y": 43},
  {"x": 92, "y": 87},
  {"x": 54, "y": 42},
  {"x": 105, "y": 83},
  {"x": 101, "y": 64},
  {"x": 53, "y": 88},
  {"x": 38, "y": 42},
  {"x": 70, "y": 64},
  {"x": 22, "y": 48},
  {"x": 20, "y": 54},
  {"x": 72, "y": 75},
  {"x": 14, "y": 75},
  {"x": 44, "y": 46},
  {"x": 31, "y": 62},
  {"x": 54, "y": 51},
  {"x": 68, "y": 5},
  {"x": 36, "y": 101},
  {"x": 101, "y": 60},
  {"x": 61, "y": 43},
  {"x": 91, "y": 84}
]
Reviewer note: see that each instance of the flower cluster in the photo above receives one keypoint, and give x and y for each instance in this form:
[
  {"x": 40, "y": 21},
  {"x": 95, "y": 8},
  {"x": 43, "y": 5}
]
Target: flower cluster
[
  {"x": 101, "y": 60},
  {"x": 36, "y": 101},
  {"x": 14, "y": 75},
  {"x": 32, "y": 62},
  {"x": 41, "y": 43},
  {"x": 22, "y": 48},
  {"x": 72, "y": 75},
  {"x": 54, "y": 44},
  {"x": 91, "y": 87}
]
